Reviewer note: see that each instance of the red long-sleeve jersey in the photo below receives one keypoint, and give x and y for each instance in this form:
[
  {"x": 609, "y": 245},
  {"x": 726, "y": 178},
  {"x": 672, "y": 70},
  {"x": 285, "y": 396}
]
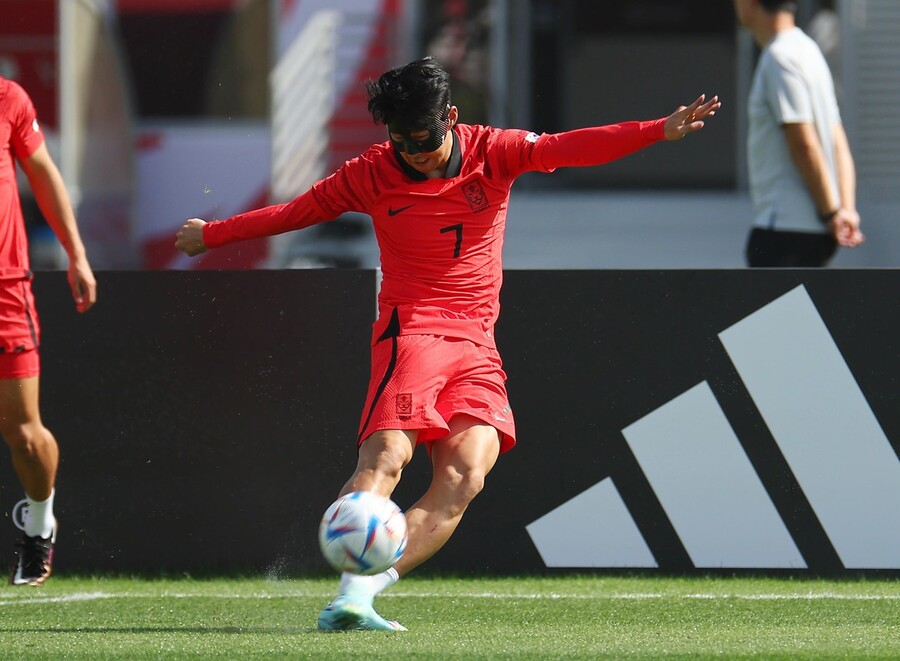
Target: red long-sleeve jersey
[
  {"x": 20, "y": 136},
  {"x": 440, "y": 239}
]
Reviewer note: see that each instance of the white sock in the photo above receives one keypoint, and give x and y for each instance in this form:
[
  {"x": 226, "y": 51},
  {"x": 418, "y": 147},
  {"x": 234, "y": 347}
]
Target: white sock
[
  {"x": 39, "y": 519},
  {"x": 367, "y": 586}
]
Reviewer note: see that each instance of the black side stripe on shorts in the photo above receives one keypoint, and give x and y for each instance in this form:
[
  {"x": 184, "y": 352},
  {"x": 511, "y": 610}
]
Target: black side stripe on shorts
[
  {"x": 29, "y": 315},
  {"x": 392, "y": 332}
]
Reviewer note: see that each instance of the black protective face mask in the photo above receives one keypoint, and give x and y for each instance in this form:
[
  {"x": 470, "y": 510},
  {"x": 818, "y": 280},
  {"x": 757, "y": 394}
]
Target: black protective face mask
[{"x": 436, "y": 126}]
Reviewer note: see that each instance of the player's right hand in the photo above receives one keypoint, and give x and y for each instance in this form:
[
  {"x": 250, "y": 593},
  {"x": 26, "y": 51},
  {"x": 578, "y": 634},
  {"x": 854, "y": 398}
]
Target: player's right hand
[{"x": 189, "y": 239}]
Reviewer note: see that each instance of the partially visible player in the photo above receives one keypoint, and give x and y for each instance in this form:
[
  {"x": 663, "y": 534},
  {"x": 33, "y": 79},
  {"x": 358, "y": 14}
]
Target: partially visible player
[
  {"x": 802, "y": 174},
  {"x": 35, "y": 453},
  {"x": 437, "y": 191}
]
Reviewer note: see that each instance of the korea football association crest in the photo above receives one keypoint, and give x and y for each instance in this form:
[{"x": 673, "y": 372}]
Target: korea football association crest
[
  {"x": 404, "y": 404},
  {"x": 475, "y": 196}
]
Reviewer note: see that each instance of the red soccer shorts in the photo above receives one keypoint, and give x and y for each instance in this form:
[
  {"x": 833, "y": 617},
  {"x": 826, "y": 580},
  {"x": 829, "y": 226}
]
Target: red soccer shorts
[
  {"x": 19, "y": 330},
  {"x": 20, "y": 365},
  {"x": 419, "y": 382}
]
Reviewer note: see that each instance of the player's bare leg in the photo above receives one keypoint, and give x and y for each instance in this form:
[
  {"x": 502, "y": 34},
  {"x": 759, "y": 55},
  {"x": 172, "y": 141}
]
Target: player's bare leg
[
  {"x": 35, "y": 454},
  {"x": 35, "y": 458},
  {"x": 460, "y": 464},
  {"x": 382, "y": 458}
]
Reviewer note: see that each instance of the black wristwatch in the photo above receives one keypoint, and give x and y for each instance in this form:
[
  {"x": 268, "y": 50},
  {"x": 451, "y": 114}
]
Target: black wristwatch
[{"x": 828, "y": 217}]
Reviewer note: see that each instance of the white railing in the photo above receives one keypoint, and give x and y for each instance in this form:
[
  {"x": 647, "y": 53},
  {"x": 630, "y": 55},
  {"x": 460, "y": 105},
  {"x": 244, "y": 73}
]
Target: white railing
[
  {"x": 303, "y": 98},
  {"x": 303, "y": 91}
]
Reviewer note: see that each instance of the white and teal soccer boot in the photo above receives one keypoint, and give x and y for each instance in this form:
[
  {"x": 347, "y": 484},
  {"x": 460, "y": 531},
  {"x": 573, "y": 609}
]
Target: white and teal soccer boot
[{"x": 349, "y": 614}]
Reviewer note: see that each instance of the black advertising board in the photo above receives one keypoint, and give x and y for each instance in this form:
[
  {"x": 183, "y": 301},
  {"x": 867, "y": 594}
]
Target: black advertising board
[{"x": 671, "y": 421}]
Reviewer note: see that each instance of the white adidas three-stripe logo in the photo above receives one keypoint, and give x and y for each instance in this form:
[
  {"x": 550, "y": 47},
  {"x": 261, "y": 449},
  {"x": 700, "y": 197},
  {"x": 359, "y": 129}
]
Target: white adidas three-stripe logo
[{"x": 707, "y": 486}]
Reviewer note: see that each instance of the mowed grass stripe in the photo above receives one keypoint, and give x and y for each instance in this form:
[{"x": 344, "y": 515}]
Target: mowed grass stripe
[
  {"x": 26, "y": 599},
  {"x": 560, "y": 617}
]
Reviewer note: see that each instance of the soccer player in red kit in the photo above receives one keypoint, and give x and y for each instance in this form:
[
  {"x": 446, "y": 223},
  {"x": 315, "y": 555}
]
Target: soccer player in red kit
[
  {"x": 437, "y": 192},
  {"x": 35, "y": 453}
]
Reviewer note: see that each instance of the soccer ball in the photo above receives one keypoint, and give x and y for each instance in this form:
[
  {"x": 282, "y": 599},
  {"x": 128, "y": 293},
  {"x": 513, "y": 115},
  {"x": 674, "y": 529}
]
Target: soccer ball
[{"x": 362, "y": 533}]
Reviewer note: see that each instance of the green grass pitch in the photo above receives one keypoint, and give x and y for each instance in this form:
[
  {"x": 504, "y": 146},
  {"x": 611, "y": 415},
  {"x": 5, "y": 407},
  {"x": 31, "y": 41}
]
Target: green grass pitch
[{"x": 559, "y": 617}]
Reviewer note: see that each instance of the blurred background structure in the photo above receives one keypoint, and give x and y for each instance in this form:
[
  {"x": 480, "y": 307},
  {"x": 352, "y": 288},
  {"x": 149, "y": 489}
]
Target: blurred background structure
[{"x": 160, "y": 110}]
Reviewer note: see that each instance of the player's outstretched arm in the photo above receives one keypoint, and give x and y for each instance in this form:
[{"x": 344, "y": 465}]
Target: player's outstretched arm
[
  {"x": 689, "y": 119},
  {"x": 597, "y": 145},
  {"x": 197, "y": 236},
  {"x": 189, "y": 239}
]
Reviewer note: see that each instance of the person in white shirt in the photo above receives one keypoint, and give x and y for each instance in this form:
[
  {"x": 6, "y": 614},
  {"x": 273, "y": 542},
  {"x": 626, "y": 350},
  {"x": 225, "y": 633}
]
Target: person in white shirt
[{"x": 802, "y": 174}]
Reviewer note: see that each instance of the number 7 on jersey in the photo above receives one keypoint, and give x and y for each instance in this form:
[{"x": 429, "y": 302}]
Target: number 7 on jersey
[{"x": 458, "y": 229}]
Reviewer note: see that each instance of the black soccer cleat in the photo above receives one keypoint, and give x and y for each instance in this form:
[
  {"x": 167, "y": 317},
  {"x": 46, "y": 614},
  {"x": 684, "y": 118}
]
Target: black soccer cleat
[{"x": 34, "y": 562}]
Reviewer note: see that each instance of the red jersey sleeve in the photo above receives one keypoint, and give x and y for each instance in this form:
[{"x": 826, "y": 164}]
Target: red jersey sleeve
[
  {"x": 26, "y": 134},
  {"x": 596, "y": 145},
  {"x": 353, "y": 186},
  {"x": 299, "y": 213},
  {"x": 326, "y": 200},
  {"x": 514, "y": 151}
]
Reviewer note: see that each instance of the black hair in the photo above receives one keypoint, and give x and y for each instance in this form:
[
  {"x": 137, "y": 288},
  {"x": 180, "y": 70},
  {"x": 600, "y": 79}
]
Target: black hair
[
  {"x": 411, "y": 93},
  {"x": 772, "y": 6}
]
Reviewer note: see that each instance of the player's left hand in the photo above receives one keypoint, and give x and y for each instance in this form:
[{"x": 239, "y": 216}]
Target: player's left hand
[
  {"x": 845, "y": 228},
  {"x": 83, "y": 284},
  {"x": 689, "y": 119}
]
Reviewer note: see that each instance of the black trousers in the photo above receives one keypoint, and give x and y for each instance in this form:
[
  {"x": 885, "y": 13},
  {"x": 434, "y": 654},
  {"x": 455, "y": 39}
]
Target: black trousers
[{"x": 785, "y": 249}]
